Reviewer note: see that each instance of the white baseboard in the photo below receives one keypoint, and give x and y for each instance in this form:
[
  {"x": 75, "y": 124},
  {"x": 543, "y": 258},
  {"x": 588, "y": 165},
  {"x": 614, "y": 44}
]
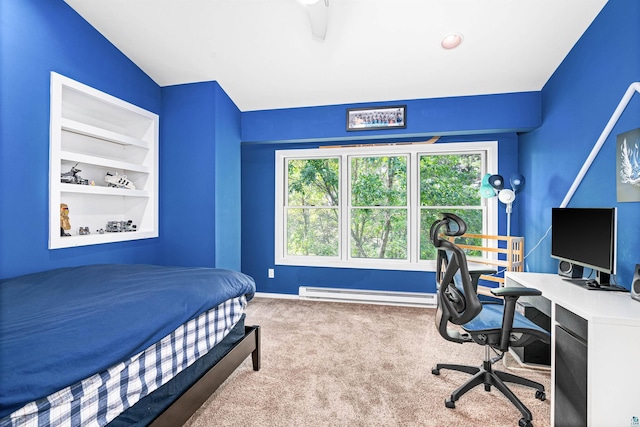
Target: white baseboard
[
  {"x": 276, "y": 296},
  {"x": 356, "y": 296},
  {"x": 363, "y": 296}
]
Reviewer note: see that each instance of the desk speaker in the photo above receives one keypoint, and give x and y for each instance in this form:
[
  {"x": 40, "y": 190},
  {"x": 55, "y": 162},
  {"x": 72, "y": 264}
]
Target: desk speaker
[
  {"x": 635, "y": 284},
  {"x": 566, "y": 269}
]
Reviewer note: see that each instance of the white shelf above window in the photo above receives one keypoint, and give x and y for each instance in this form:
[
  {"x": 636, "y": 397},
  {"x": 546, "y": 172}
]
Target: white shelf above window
[{"x": 100, "y": 134}]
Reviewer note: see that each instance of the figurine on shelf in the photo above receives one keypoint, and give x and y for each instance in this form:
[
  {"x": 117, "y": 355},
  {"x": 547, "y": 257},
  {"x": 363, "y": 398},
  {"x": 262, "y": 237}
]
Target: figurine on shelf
[
  {"x": 65, "y": 224},
  {"x": 72, "y": 177},
  {"x": 119, "y": 181}
]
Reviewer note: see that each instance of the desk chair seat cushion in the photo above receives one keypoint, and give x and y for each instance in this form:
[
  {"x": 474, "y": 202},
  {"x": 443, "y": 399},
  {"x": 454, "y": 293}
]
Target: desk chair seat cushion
[{"x": 489, "y": 322}]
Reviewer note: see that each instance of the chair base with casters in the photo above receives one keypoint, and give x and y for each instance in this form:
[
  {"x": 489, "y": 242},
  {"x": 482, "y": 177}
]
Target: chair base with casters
[{"x": 488, "y": 377}]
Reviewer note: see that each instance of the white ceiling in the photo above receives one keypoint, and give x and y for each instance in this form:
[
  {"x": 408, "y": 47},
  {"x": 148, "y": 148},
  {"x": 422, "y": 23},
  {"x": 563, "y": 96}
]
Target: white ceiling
[{"x": 263, "y": 55}]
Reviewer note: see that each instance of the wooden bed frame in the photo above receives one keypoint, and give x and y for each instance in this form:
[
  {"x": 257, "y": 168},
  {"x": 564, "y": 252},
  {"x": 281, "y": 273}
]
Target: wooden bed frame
[{"x": 192, "y": 399}]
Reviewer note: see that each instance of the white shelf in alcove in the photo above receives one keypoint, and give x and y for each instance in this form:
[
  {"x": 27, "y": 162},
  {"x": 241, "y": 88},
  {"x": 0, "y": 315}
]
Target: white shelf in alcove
[
  {"x": 101, "y": 190},
  {"x": 102, "y": 161},
  {"x": 97, "y": 238},
  {"x": 104, "y": 134}
]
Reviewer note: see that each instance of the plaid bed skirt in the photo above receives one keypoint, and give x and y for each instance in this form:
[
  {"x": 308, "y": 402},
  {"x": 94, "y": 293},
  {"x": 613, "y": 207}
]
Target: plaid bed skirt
[{"x": 97, "y": 400}]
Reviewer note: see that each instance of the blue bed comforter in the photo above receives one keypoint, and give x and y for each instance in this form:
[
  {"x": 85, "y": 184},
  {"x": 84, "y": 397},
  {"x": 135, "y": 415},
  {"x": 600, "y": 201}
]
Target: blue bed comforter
[{"x": 61, "y": 326}]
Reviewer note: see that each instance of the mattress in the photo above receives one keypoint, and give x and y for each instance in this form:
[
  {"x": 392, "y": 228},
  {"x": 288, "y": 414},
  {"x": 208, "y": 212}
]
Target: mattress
[
  {"x": 117, "y": 322},
  {"x": 153, "y": 405}
]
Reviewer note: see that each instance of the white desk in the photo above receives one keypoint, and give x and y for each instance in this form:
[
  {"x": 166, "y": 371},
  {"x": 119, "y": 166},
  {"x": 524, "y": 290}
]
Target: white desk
[{"x": 613, "y": 345}]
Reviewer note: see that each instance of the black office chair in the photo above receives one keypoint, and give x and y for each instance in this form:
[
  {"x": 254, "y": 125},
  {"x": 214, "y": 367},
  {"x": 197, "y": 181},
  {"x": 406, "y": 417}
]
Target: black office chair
[{"x": 494, "y": 325}]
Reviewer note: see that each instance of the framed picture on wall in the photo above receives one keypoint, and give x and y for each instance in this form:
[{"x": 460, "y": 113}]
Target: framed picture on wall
[
  {"x": 394, "y": 117},
  {"x": 628, "y": 166}
]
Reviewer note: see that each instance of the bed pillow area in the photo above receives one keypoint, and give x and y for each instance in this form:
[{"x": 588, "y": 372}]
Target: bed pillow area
[{"x": 61, "y": 326}]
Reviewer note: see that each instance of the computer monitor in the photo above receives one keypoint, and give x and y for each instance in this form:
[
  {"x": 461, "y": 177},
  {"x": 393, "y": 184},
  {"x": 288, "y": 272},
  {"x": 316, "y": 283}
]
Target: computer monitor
[{"x": 586, "y": 237}]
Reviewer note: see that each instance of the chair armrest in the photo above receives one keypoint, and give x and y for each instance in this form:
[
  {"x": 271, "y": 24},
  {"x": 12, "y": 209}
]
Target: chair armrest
[
  {"x": 515, "y": 291},
  {"x": 511, "y": 295}
]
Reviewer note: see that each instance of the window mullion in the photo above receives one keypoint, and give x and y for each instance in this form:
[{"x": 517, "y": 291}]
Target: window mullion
[
  {"x": 345, "y": 203},
  {"x": 413, "y": 177}
]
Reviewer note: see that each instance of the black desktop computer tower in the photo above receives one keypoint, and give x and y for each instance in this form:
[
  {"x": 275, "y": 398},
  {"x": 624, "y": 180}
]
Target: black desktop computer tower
[{"x": 537, "y": 352}]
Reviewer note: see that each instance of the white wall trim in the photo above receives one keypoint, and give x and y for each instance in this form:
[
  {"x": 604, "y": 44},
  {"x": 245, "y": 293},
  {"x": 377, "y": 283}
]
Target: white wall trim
[
  {"x": 355, "y": 296},
  {"x": 626, "y": 98}
]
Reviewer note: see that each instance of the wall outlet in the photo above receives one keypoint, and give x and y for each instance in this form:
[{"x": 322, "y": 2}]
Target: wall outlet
[{"x": 271, "y": 273}]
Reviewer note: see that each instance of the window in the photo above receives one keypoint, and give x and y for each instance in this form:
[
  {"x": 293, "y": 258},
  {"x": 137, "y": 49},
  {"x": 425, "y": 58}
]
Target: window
[
  {"x": 379, "y": 207},
  {"x": 312, "y": 208},
  {"x": 372, "y": 207}
]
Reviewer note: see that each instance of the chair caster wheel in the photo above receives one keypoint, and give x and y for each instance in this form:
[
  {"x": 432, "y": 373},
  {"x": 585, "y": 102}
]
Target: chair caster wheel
[
  {"x": 449, "y": 403},
  {"x": 540, "y": 395},
  {"x": 487, "y": 387},
  {"x": 524, "y": 423},
  {"x": 435, "y": 371}
]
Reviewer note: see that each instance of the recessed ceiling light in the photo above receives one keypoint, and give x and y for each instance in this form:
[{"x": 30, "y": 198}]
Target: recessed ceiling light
[{"x": 451, "y": 41}]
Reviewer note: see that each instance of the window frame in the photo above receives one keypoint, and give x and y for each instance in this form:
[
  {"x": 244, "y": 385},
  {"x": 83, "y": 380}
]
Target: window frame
[{"x": 489, "y": 150}]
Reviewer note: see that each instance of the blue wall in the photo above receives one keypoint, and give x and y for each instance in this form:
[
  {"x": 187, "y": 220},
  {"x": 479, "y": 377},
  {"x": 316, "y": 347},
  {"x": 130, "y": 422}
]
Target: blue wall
[
  {"x": 187, "y": 175},
  {"x": 460, "y": 119},
  {"x": 37, "y": 37},
  {"x": 200, "y": 177},
  {"x": 228, "y": 190},
  {"x": 577, "y": 103},
  {"x": 549, "y": 133},
  {"x": 199, "y": 147},
  {"x": 468, "y": 115}
]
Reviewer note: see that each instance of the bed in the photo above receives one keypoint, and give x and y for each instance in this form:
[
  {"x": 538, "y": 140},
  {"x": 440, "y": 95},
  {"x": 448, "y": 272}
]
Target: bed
[{"x": 119, "y": 345}]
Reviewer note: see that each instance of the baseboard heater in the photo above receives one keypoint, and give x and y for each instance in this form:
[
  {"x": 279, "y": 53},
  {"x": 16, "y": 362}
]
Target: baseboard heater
[{"x": 413, "y": 299}]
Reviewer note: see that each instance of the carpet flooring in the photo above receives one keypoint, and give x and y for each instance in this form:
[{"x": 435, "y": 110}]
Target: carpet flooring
[{"x": 341, "y": 364}]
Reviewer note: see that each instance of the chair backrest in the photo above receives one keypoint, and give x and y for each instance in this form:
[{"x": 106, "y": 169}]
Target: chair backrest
[{"x": 458, "y": 301}]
